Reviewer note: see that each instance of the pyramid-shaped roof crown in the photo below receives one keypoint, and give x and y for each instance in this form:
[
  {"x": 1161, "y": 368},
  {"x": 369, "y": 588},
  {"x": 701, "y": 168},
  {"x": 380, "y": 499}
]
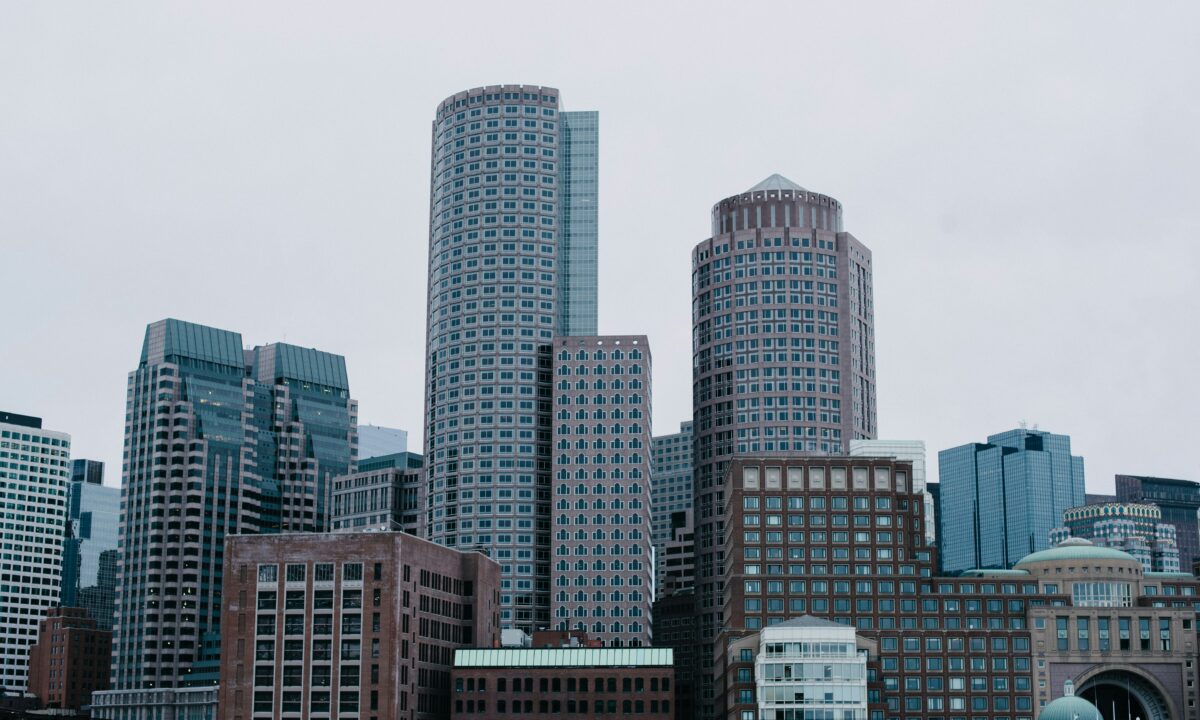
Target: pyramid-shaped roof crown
[{"x": 776, "y": 182}]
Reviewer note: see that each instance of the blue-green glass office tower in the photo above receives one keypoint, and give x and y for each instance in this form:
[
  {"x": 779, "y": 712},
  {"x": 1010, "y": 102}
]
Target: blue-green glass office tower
[
  {"x": 1000, "y": 499},
  {"x": 90, "y": 547},
  {"x": 578, "y": 248},
  {"x": 218, "y": 440}
]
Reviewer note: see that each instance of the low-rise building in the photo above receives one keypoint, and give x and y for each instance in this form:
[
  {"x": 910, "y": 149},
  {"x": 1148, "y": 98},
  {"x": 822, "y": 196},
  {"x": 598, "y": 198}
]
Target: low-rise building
[
  {"x": 363, "y": 625},
  {"x": 70, "y": 660},
  {"x": 582, "y": 682},
  {"x": 805, "y": 667}
]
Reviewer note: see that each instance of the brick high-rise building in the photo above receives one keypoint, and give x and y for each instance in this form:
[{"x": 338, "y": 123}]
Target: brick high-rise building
[
  {"x": 512, "y": 265},
  {"x": 70, "y": 660},
  {"x": 363, "y": 625},
  {"x": 1000, "y": 499},
  {"x": 783, "y": 352},
  {"x": 603, "y": 557}
]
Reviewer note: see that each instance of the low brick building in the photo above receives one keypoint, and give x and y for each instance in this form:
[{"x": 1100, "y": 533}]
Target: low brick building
[
  {"x": 360, "y": 625},
  {"x": 70, "y": 660},
  {"x": 544, "y": 683}
]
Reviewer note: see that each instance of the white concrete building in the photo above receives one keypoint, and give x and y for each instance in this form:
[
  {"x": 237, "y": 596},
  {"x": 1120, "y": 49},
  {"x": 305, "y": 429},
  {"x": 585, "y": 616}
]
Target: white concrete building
[
  {"x": 35, "y": 467},
  {"x": 913, "y": 451}
]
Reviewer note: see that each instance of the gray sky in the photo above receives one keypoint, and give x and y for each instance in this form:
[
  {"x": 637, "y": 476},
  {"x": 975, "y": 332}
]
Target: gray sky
[{"x": 1025, "y": 174}]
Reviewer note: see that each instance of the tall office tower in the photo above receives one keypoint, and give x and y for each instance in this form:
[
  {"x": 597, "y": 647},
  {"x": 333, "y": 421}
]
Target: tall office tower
[
  {"x": 670, "y": 493},
  {"x": 305, "y": 424},
  {"x": 88, "y": 471},
  {"x": 1179, "y": 502},
  {"x": 35, "y": 467},
  {"x": 90, "y": 546},
  {"x": 1135, "y": 528},
  {"x": 1000, "y": 499},
  {"x": 783, "y": 353},
  {"x": 603, "y": 571},
  {"x": 218, "y": 441},
  {"x": 498, "y": 232},
  {"x": 376, "y": 441},
  {"x": 912, "y": 451}
]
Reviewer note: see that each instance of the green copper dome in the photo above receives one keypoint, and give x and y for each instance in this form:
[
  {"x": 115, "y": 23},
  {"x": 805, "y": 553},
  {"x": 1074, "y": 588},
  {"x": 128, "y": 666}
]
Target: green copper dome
[
  {"x": 1076, "y": 549},
  {"x": 1070, "y": 707}
]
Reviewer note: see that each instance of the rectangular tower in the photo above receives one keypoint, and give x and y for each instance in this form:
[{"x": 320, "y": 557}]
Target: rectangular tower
[
  {"x": 670, "y": 493},
  {"x": 512, "y": 239},
  {"x": 578, "y": 277},
  {"x": 1179, "y": 501},
  {"x": 218, "y": 441},
  {"x": 1000, "y": 499},
  {"x": 350, "y": 626},
  {"x": 35, "y": 474},
  {"x": 90, "y": 549},
  {"x": 603, "y": 576}
]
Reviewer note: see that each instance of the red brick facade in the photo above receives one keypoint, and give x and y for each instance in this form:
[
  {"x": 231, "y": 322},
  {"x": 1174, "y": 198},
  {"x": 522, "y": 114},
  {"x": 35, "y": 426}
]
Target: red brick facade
[
  {"x": 70, "y": 660},
  {"x": 360, "y": 624}
]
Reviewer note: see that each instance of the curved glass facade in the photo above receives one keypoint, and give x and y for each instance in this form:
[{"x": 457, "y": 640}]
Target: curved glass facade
[{"x": 496, "y": 282}]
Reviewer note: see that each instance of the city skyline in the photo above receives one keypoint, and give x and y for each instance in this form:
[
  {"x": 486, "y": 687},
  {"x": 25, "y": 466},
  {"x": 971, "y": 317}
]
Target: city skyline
[{"x": 945, "y": 161}]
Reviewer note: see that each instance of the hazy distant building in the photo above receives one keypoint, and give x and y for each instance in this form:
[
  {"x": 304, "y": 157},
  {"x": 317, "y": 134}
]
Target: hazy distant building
[
  {"x": 512, "y": 265},
  {"x": 364, "y": 625},
  {"x": 35, "y": 469},
  {"x": 375, "y": 440},
  {"x": 670, "y": 490},
  {"x": 914, "y": 452},
  {"x": 1000, "y": 499},
  {"x": 783, "y": 354},
  {"x": 387, "y": 493},
  {"x": 219, "y": 440},
  {"x": 1179, "y": 502},
  {"x": 603, "y": 574},
  {"x": 1136, "y": 528}
]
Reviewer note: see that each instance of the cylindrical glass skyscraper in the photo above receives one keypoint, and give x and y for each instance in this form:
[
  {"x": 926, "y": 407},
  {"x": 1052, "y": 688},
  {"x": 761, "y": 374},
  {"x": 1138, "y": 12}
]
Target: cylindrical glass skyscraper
[{"x": 506, "y": 167}]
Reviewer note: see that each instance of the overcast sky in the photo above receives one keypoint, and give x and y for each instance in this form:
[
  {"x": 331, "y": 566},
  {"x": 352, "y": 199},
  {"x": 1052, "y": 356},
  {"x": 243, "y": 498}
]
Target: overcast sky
[{"x": 1024, "y": 173}]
